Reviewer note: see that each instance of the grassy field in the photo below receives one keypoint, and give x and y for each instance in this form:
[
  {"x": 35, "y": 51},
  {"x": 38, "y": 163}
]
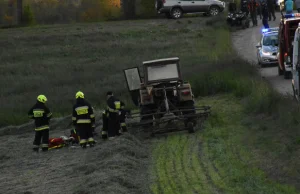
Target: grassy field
[
  {"x": 249, "y": 145},
  {"x": 59, "y": 60},
  {"x": 220, "y": 159}
]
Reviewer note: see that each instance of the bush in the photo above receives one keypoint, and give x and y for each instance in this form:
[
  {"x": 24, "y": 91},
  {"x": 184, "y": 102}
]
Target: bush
[{"x": 28, "y": 17}]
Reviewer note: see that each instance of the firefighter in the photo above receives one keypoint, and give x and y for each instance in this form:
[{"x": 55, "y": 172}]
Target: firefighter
[
  {"x": 83, "y": 120},
  {"x": 271, "y": 9},
  {"x": 252, "y": 6},
  {"x": 113, "y": 117},
  {"x": 265, "y": 14},
  {"x": 41, "y": 115}
]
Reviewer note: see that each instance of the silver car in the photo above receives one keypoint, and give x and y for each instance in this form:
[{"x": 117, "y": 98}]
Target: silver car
[
  {"x": 176, "y": 8},
  {"x": 267, "y": 48}
]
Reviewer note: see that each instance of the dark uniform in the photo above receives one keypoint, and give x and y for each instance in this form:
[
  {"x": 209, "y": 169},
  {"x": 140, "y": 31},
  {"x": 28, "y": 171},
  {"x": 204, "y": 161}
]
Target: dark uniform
[
  {"x": 83, "y": 119},
  {"x": 252, "y": 6},
  {"x": 271, "y": 9},
  {"x": 244, "y": 6},
  {"x": 41, "y": 115},
  {"x": 123, "y": 112},
  {"x": 113, "y": 110},
  {"x": 104, "y": 124},
  {"x": 265, "y": 14}
]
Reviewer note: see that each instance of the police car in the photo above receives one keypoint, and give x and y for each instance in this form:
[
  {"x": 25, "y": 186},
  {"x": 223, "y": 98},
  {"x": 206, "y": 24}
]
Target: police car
[{"x": 267, "y": 47}]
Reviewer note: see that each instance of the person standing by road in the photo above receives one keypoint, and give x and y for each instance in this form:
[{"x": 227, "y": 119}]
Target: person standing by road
[
  {"x": 41, "y": 115},
  {"x": 289, "y": 6},
  {"x": 252, "y": 6},
  {"x": 265, "y": 14},
  {"x": 271, "y": 9}
]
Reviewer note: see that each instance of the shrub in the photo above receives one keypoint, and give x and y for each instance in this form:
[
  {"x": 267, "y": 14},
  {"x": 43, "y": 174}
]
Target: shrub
[{"x": 27, "y": 17}]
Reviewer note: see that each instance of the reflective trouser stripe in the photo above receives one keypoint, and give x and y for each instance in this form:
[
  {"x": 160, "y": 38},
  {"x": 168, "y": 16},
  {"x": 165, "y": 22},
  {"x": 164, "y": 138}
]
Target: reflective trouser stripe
[
  {"x": 91, "y": 139},
  {"x": 36, "y": 146},
  {"x": 83, "y": 121},
  {"x": 92, "y": 116},
  {"x": 42, "y": 128},
  {"x": 58, "y": 146},
  {"x": 104, "y": 132},
  {"x": 44, "y": 145},
  {"x": 123, "y": 124},
  {"x": 73, "y": 118},
  {"x": 82, "y": 141}
]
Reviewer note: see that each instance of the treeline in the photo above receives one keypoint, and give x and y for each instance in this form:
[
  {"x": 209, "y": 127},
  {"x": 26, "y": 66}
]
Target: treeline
[{"x": 29, "y": 12}]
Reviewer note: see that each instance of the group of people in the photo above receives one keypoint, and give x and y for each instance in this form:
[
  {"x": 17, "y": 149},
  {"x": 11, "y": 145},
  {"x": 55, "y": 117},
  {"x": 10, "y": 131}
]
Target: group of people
[
  {"x": 83, "y": 119},
  {"x": 266, "y": 9}
]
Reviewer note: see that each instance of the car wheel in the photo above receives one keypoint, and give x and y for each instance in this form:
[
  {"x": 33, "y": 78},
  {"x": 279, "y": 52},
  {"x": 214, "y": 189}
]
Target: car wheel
[
  {"x": 214, "y": 10},
  {"x": 176, "y": 13}
]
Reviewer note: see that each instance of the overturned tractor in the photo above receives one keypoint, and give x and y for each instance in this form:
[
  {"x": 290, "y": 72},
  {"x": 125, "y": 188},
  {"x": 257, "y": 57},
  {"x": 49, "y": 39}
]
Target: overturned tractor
[{"x": 166, "y": 102}]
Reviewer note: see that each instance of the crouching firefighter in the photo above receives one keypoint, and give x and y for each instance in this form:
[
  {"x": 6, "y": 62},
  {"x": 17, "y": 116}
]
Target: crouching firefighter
[
  {"x": 41, "y": 115},
  {"x": 112, "y": 115},
  {"x": 83, "y": 119}
]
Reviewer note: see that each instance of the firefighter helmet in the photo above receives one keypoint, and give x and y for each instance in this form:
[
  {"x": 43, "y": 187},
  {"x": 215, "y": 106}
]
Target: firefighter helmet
[
  {"x": 79, "y": 94},
  {"x": 42, "y": 98}
]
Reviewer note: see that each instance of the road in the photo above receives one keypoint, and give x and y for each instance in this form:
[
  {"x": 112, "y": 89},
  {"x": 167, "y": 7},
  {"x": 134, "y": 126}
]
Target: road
[{"x": 244, "y": 42}]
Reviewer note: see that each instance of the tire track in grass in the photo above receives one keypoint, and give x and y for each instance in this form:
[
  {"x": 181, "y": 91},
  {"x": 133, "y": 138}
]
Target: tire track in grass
[
  {"x": 198, "y": 169},
  {"x": 162, "y": 180},
  {"x": 189, "y": 171},
  {"x": 214, "y": 180},
  {"x": 178, "y": 154},
  {"x": 173, "y": 149},
  {"x": 168, "y": 165}
]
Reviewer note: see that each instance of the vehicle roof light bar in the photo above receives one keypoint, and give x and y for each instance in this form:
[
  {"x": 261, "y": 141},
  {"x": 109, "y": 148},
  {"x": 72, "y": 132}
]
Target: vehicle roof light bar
[
  {"x": 292, "y": 15},
  {"x": 265, "y": 30}
]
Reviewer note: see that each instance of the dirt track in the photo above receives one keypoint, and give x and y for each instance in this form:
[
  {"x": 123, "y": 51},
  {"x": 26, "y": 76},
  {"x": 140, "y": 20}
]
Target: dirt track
[{"x": 244, "y": 42}]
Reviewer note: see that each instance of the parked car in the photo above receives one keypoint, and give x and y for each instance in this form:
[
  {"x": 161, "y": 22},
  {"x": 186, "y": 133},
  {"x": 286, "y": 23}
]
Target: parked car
[
  {"x": 267, "y": 47},
  {"x": 176, "y": 8}
]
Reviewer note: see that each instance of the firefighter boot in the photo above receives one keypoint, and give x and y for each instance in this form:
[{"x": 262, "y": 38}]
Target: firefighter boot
[{"x": 104, "y": 134}]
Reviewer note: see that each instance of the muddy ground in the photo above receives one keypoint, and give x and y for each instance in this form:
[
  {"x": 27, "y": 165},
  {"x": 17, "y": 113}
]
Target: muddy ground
[
  {"x": 244, "y": 42},
  {"x": 110, "y": 167}
]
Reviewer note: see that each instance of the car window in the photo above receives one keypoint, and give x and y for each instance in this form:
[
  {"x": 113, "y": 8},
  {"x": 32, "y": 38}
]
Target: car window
[{"x": 270, "y": 40}]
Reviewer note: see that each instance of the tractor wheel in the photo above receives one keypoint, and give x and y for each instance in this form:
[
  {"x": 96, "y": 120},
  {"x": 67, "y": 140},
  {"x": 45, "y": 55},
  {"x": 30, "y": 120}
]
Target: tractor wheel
[
  {"x": 188, "y": 105},
  {"x": 146, "y": 110}
]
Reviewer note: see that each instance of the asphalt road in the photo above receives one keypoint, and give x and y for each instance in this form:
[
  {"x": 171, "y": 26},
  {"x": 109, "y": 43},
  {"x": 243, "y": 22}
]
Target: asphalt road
[{"x": 244, "y": 42}]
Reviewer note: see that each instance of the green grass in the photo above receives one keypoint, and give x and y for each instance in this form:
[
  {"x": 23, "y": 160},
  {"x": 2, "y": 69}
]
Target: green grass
[
  {"x": 216, "y": 160},
  {"x": 59, "y": 60}
]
